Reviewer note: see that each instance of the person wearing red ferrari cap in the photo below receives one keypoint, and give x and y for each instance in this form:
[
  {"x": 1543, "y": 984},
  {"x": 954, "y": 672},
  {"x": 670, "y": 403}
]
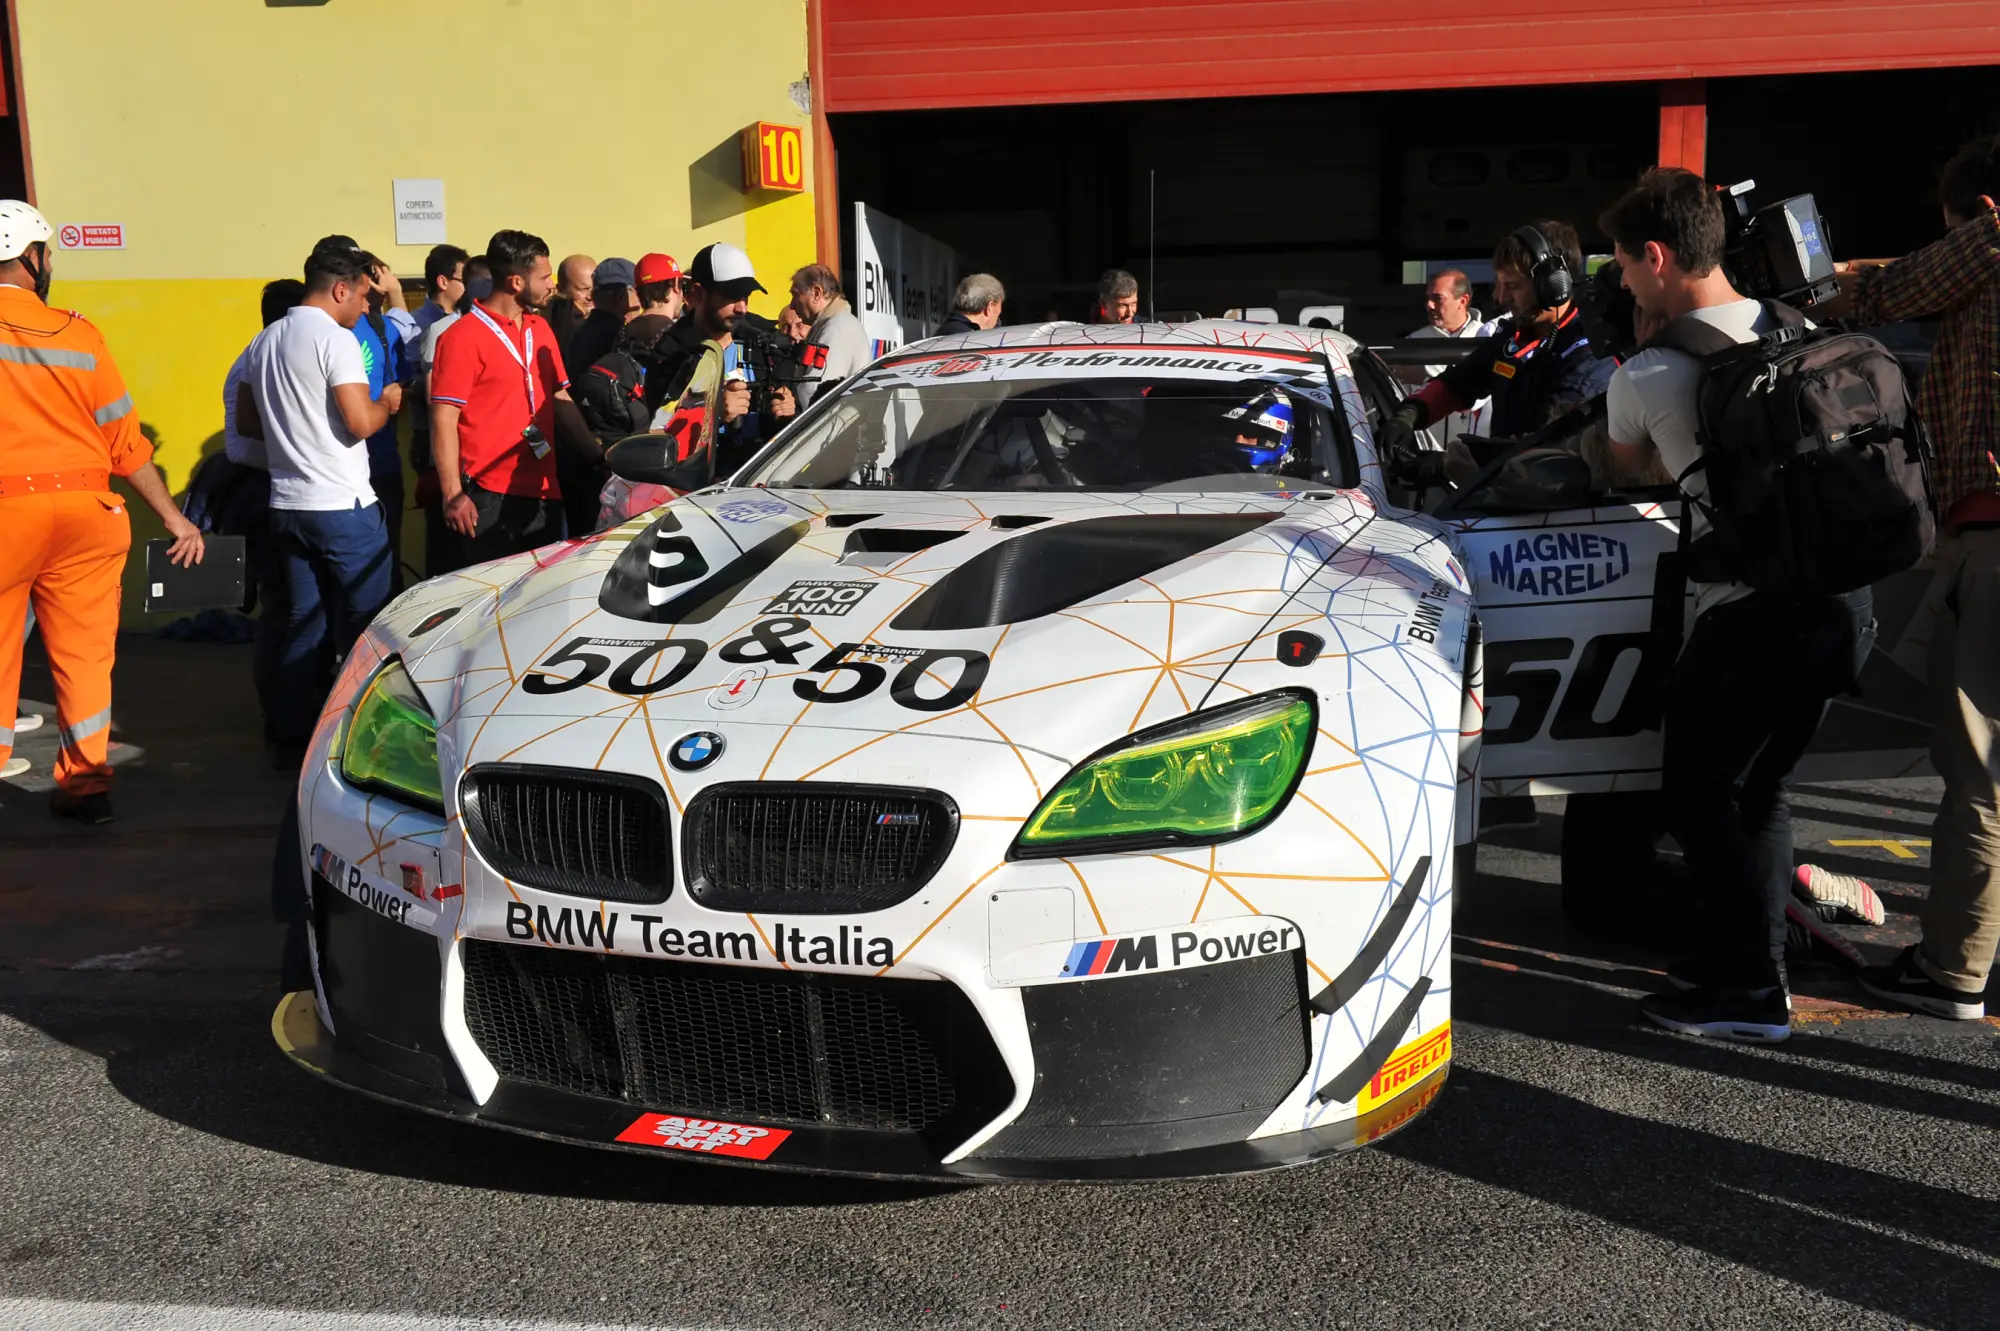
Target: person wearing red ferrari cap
[{"x": 660, "y": 286}]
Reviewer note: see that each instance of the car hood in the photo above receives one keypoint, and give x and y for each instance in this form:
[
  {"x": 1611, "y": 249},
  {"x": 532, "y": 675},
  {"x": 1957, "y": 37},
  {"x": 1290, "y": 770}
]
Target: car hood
[{"x": 1050, "y": 623}]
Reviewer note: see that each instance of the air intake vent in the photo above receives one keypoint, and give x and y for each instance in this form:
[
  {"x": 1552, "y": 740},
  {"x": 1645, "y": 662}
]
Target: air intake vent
[
  {"x": 814, "y": 847},
  {"x": 737, "y": 1042},
  {"x": 586, "y": 834}
]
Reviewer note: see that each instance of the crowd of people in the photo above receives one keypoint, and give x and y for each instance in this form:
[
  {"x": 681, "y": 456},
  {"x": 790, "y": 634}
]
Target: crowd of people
[
  {"x": 515, "y": 373},
  {"x": 1758, "y": 669}
]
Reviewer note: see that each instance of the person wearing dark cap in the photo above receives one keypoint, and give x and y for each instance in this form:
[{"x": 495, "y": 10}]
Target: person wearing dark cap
[
  {"x": 613, "y": 389},
  {"x": 614, "y": 302}
]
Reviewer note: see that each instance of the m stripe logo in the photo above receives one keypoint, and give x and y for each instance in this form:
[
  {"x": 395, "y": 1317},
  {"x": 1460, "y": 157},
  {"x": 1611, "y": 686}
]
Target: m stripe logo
[{"x": 1108, "y": 956}]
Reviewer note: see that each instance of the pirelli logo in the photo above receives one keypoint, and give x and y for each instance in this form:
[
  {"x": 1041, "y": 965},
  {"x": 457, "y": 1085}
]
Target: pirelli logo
[
  {"x": 1396, "y": 1115},
  {"x": 1405, "y": 1068}
]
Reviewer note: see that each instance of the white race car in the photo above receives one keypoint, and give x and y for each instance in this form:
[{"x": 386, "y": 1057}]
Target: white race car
[{"x": 1053, "y": 756}]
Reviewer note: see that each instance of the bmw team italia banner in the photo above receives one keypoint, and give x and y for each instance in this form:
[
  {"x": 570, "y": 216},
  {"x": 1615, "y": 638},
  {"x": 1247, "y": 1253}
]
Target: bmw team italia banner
[{"x": 903, "y": 280}]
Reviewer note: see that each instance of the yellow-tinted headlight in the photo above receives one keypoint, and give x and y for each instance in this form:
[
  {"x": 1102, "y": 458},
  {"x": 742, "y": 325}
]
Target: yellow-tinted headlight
[
  {"x": 391, "y": 742},
  {"x": 1207, "y": 777}
]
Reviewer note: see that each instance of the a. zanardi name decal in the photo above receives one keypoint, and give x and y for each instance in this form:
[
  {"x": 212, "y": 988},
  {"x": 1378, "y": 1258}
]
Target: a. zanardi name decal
[
  {"x": 1565, "y": 563},
  {"x": 650, "y": 935}
]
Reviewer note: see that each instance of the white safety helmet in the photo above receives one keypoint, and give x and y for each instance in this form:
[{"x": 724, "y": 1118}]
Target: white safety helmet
[{"x": 20, "y": 226}]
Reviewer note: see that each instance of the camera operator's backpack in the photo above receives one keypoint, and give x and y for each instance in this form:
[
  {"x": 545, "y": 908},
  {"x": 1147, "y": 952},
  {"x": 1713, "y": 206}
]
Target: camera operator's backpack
[
  {"x": 611, "y": 396},
  {"x": 1817, "y": 465}
]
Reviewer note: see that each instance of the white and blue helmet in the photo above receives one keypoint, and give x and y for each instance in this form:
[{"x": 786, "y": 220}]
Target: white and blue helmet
[{"x": 1266, "y": 418}]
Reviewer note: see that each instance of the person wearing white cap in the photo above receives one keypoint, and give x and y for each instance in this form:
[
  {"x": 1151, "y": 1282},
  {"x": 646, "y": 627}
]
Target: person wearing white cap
[{"x": 718, "y": 287}]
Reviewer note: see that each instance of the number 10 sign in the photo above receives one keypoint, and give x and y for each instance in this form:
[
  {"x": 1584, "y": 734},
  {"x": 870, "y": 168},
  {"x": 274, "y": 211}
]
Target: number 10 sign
[{"x": 773, "y": 157}]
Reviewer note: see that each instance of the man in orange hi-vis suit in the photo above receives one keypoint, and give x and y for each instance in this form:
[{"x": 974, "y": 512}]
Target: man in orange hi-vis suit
[{"x": 66, "y": 428}]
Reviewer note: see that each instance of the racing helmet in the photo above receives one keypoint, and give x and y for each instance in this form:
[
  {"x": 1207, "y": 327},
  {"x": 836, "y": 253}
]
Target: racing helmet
[
  {"x": 1263, "y": 427},
  {"x": 21, "y": 225}
]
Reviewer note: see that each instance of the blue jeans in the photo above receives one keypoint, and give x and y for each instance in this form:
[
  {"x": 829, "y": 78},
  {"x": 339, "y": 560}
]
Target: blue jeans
[{"x": 335, "y": 568}]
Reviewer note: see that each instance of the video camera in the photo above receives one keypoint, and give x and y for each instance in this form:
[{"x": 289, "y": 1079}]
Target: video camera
[
  {"x": 1781, "y": 251},
  {"x": 775, "y": 361}
]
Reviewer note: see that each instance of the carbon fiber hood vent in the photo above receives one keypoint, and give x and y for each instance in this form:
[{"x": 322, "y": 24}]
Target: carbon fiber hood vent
[{"x": 1046, "y": 569}]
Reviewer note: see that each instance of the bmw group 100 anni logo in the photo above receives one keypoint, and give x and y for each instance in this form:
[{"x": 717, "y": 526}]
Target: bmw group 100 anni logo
[{"x": 693, "y": 752}]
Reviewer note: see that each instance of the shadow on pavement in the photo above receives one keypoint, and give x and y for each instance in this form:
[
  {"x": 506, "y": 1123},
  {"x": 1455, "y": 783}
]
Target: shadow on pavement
[
  {"x": 1534, "y": 1006},
  {"x": 1819, "y": 1225},
  {"x": 213, "y": 1067}
]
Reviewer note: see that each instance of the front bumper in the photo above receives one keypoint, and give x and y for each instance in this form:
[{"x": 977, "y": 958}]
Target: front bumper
[
  {"x": 1150, "y": 1075},
  {"x": 594, "y": 1121}
]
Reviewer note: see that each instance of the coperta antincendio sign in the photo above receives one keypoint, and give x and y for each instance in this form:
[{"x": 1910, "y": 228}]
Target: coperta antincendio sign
[
  {"x": 773, "y": 157},
  {"x": 420, "y": 212}
]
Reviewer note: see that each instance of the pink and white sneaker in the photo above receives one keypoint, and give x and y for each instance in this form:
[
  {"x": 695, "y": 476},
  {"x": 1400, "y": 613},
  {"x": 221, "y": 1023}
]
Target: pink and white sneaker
[{"x": 1837, "y": 895}]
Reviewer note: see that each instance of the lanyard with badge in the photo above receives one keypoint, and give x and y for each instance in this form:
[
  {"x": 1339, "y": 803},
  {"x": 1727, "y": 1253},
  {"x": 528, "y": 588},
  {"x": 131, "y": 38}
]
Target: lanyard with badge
[{"x": 531, "y": 434}]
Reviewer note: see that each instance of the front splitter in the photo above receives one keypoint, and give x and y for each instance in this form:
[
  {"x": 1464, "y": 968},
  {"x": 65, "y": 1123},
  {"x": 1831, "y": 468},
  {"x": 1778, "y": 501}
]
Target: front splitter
[{"x": 593, "y": 1121}]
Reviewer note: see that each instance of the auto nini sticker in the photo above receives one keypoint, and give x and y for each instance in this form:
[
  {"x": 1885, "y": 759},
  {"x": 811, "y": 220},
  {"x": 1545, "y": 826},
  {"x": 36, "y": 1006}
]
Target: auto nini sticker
[{"x": 677, "y": 1132}]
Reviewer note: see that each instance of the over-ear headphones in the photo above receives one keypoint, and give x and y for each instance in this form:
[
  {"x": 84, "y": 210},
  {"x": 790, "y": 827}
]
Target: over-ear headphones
[{"x": 1548, "y": 270}]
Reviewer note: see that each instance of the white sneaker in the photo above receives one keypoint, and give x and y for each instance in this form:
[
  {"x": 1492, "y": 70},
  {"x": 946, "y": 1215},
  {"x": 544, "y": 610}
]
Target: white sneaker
[
  {"x": 13, "y": 767},
  {"x": 27, "y": 721},
  {"x": 1835, "y": 895}
]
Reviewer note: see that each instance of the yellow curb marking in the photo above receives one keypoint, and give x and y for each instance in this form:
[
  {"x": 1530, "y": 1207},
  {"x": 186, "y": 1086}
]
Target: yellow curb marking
[{"x": 1900, "y": 849}]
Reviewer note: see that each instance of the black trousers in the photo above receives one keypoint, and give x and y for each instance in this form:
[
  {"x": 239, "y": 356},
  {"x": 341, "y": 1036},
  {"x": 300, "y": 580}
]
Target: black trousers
[
  {"x": 1746, "y": 698},
  {"x": 508, "y": 525}
]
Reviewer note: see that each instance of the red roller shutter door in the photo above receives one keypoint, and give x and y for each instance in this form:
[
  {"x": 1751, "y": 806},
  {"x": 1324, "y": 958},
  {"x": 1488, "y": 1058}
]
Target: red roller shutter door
[{"x": 882, "y": 55}]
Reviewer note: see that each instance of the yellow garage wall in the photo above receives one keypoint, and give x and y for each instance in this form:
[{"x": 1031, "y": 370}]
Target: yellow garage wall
[{"x": 229, "y": 135}]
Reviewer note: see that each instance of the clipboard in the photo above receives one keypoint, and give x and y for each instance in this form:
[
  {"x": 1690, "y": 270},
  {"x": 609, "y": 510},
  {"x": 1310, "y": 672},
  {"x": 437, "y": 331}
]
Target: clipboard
[{"x": 216, "y": 583}]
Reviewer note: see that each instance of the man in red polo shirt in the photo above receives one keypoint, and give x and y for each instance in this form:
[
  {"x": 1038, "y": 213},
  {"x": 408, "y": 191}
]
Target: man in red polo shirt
[{"x": 499, "y": 399}]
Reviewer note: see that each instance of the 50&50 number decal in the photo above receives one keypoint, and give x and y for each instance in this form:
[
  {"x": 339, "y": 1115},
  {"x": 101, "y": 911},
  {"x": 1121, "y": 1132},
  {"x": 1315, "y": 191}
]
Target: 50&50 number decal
[{"x": 767, "y": 641}]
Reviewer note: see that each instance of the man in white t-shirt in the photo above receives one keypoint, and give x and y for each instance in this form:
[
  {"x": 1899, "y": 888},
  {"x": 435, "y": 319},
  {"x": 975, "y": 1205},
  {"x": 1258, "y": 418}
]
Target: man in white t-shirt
[
  {"x": 305, "y": 395},
  {"x": 1758, "y": 669},
  {"x": 247, "y": 510}
]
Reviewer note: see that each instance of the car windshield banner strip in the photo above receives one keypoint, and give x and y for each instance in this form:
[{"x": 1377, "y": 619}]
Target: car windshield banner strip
[{"x": 977, "y": 364}]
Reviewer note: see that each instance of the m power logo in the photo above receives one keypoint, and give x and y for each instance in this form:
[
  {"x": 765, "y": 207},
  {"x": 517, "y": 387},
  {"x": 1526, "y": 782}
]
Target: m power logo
[
  {"x": 1108, "y": 956},
  {"x": 1201, "y": 945}
]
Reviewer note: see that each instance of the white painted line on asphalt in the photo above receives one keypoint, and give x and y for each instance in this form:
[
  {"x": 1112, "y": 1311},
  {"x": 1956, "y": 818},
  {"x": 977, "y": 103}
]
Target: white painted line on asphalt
[
  {"x": 143, "y": 958},
  {"x": 75, "y": 1315}
]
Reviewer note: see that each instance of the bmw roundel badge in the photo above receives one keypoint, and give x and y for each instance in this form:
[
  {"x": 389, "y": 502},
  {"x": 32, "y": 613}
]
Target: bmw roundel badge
[{"x": 693, "y": 752}]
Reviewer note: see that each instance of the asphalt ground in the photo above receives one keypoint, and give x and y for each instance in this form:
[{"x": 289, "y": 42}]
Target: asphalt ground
[{"x": 165, "y": 1167}]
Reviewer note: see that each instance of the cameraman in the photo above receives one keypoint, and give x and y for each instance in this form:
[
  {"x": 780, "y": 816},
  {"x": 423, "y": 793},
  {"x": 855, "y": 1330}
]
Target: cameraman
[
  {"x": 1759, "y": 668},
  {"x": 712, "y": 409},
  {"x": 1536, "y": 364},
  {"x": 1957, "y": 279}
]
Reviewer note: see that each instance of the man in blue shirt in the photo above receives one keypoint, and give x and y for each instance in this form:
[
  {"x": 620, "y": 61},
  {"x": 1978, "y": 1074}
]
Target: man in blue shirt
[{"x": 385, "y": 353}]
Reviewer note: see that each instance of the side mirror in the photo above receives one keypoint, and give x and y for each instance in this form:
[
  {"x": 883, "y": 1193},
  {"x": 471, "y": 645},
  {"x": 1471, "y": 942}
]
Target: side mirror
[{"x": 651, "y": 460}]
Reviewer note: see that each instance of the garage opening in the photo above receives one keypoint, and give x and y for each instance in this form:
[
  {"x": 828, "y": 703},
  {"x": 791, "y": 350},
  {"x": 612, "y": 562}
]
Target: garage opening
[
  {"x": 1286, "y": 202},
  {"x": 13, "y": 126}
]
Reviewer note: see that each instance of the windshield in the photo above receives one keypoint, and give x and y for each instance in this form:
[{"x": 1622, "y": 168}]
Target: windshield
[{"x": 906, "y": 427}]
